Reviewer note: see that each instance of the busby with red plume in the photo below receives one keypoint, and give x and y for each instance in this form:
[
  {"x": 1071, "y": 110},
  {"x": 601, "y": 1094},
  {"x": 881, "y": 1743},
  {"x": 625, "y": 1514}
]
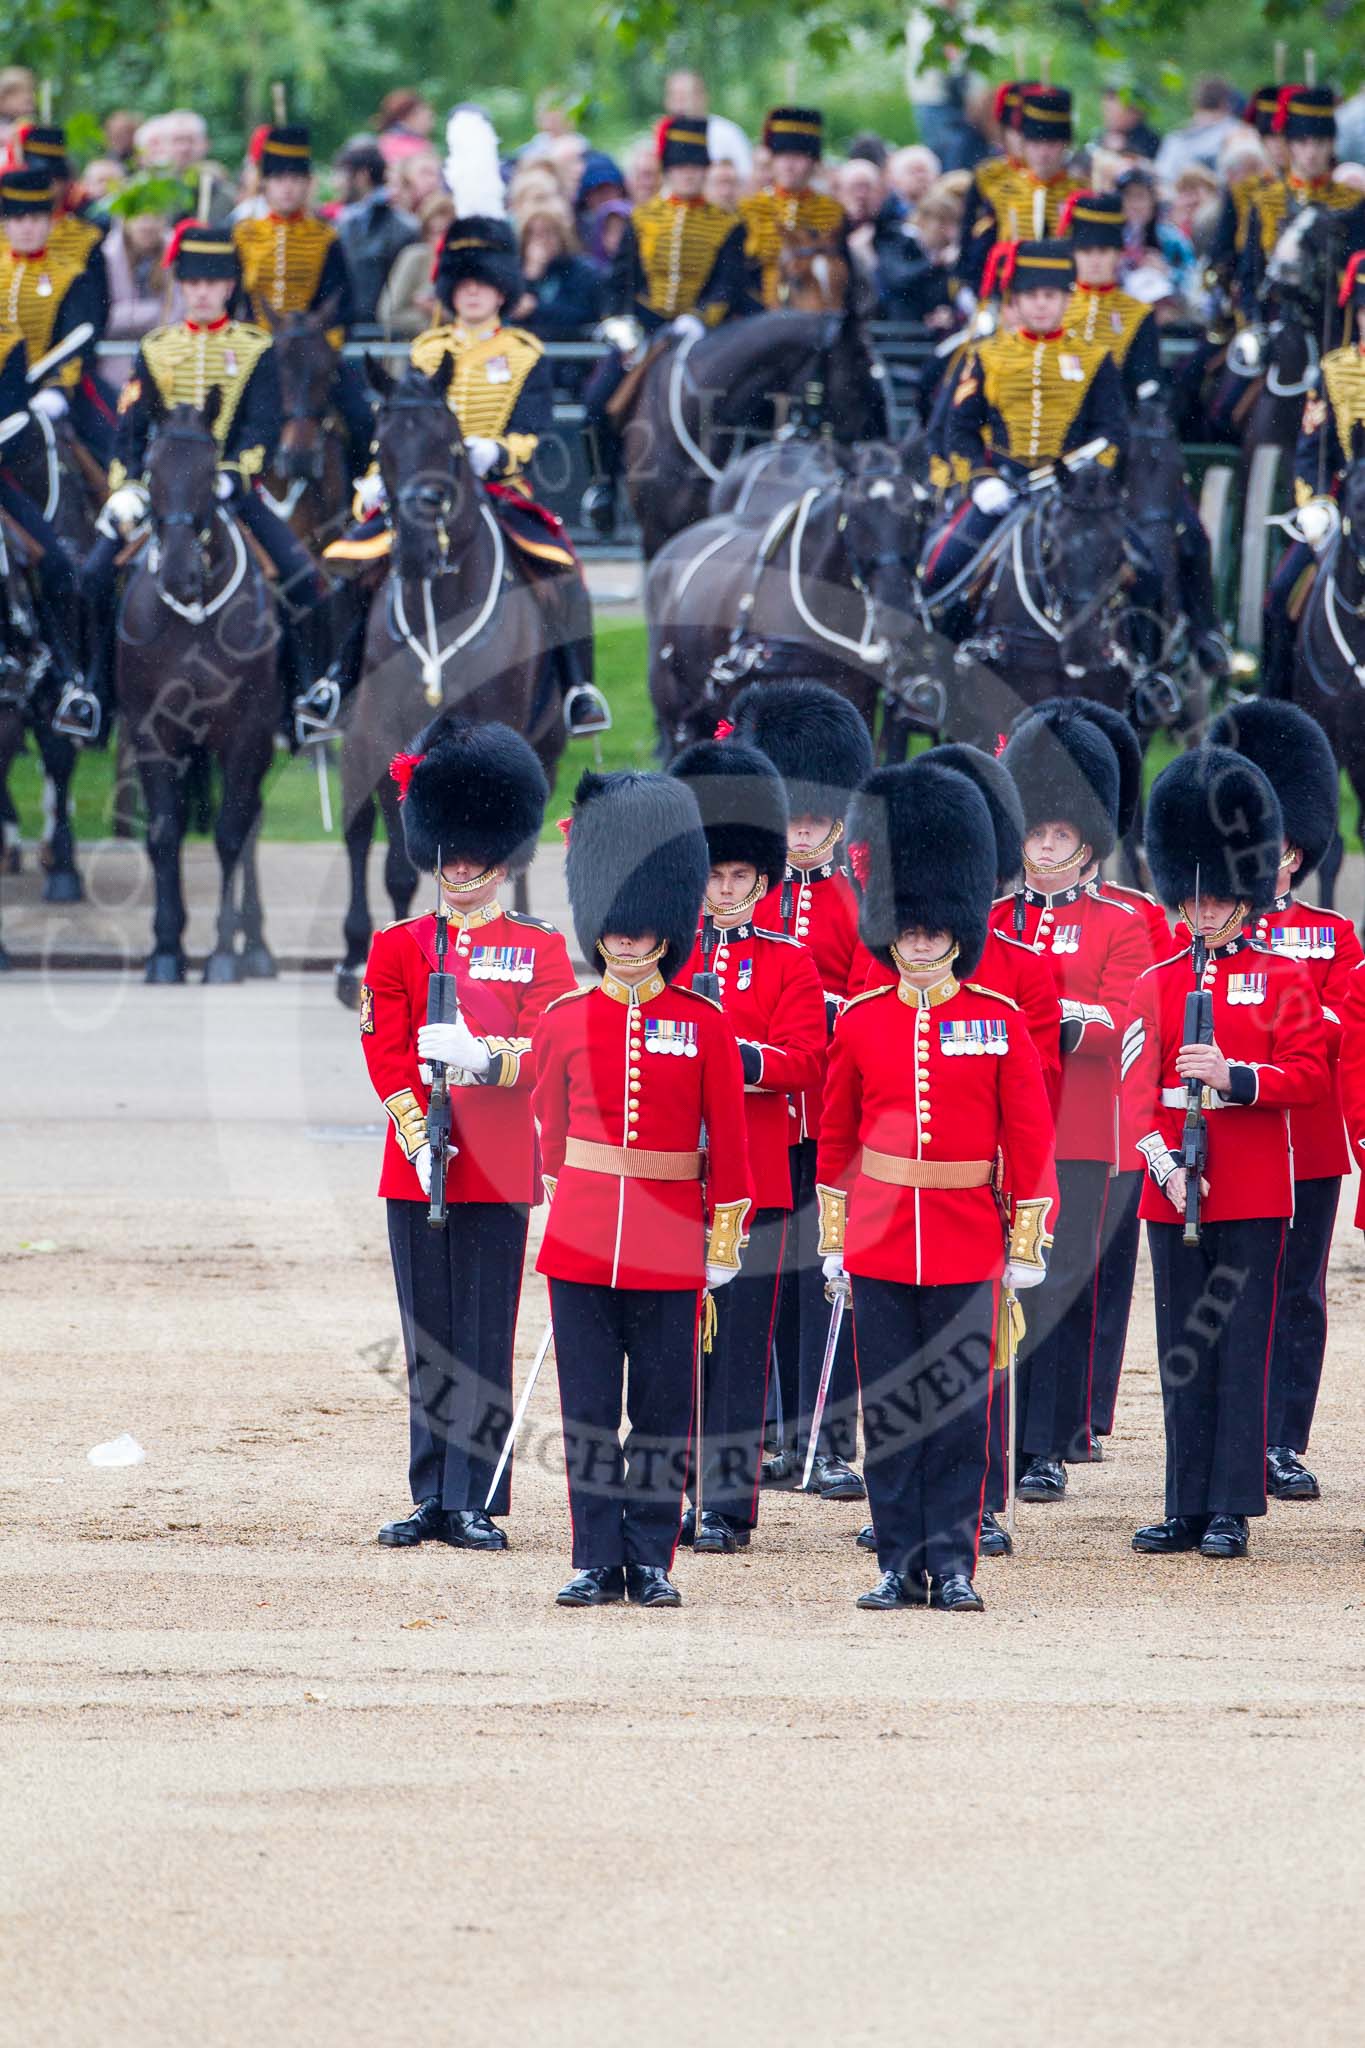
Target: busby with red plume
[
  {"x": 794, "y": 131},
  {"x": 42, "y": 148},
  {"x": 1029, "y": 267},
  {"x": 470, "y": 792},
  {"x": 1092, "y": 220},
  {"x": 197, "y": 250},
  {"x": 923, "y": 854},
  {"x": 25, "y": 191},
  {"x": 1303, "y": 112},
  {"x": 285, "y": 148},
  {"x": 1045, "y": 114},
  {"x": 679, "y": 139}
]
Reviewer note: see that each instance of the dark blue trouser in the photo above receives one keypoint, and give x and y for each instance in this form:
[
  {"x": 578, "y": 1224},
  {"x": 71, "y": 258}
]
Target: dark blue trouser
[
  {"x": 1215, "y": 1318},
  {"x": 925, "y": 1362},
  {"x": 457, "y": 1303},
  {"x": 736, "y": 1375},
  {"x": 1301, "y": 1316}
]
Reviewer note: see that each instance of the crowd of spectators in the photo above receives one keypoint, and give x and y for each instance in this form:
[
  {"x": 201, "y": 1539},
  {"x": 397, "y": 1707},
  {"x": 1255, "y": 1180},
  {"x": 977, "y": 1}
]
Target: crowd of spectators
[{"x": 569, "y": 199}]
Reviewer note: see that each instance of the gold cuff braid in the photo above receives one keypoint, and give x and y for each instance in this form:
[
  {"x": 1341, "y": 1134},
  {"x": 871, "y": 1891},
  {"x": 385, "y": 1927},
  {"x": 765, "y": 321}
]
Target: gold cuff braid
[
  {"x": 409, "y": 1121},
  {"x": 833, "y": 1212},
  {"x": 549, "y": 1181},
  {"x": 727, "y": 1228},
  {"x": 506, "y": 1055},
  {"x": 1030, "y": 1237}
]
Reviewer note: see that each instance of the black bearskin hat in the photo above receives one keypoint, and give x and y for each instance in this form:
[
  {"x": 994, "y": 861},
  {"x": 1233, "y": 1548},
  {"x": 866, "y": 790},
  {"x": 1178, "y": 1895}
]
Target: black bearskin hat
[
  {"x": 923, "y": 853},
  {"x": 1002, "y": 801},
  {"x": 1294, "y": 754},
  {"x": 1213, "y": 819},
  {"x": 742, "y": 802},
  {"x": 1119, "y": 732},
  {"x": 1064, "y": 768},
  {"x": 815, "y": 739},
  {"x": 471, "y": 792},
  {"x": 483, "y": 248},
  {"x": 637, "y": 863}
]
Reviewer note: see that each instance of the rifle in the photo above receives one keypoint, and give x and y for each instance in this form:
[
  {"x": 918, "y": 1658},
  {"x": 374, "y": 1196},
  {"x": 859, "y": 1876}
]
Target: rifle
[
  {"x": 1194, "y": 1148},
  {"x": 443, "y": 1007}
]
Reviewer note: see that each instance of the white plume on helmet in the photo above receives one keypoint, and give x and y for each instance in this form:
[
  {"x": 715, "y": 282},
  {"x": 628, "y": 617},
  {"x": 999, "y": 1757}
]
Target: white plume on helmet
[{"x": 472, "y": 171}]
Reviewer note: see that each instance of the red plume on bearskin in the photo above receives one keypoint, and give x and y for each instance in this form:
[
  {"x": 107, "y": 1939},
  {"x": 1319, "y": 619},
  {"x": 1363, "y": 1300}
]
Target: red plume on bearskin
[
  {"x": 725, "y": 729},
  {"x": 661, "y": 135},
  {"x": 565, "y": 826},
  {"x": 255, "y": 149},
  {"x": 860, "y": 861},
  {"x": 999, "y": 268},
  {"x": 400, "y": 768},
  {"x": 1067, "y": 213}
]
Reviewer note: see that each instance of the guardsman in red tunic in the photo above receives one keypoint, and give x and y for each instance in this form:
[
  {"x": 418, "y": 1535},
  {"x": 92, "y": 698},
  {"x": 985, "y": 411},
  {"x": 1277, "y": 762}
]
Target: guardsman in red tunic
[
  {"x": 936, "y": 1177},
  {"x": 1293, "y": 753},
  {"x": 1214, "y": 841},
  {"x": 474, "y": 802},
  {"x": 1068, "y": 781},
  {"x": 640, "y": 1101},
  {"x": 1122, "y": 1230},
  {"x": 1352, "y": 1066},
  {"x": 1014, "y": 970},
  {"x": 771, "y": 994},
  {"x": 821, "y": 749}
]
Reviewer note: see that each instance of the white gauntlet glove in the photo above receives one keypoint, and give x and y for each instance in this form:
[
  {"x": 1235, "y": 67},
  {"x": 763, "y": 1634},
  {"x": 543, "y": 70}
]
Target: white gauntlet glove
[
  {"x": 991, "y": 496},
  {"x": 1022, "y": 1277},
  {"x": 455, "y": 1044},
  {"x": 483, "y": 454},
  {"x": 421, "y": 1162},
  {"x": 688, "y": 327},
  {"x": 832, "y": 1266},
  {"x": 1317, "y": 521},
  {"x": 50, "y": 402},
  {"x": 370, "y": 493},
  {"x": 123, "y": 509},
  {"x": 720, "y": 1276}
]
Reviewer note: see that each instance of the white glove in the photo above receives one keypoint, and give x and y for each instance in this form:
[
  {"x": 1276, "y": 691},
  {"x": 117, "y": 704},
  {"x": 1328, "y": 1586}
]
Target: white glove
[
  {"x": 832, "y": 1266},
  {"x": 992, "y": 495},
  {"x": 1317, "y": 521},
  {"x": 720, "y": 1276},
  {"x": 1020, "y": 1278},
  {"x": 370, "y": 493},
  {"x": 223, "y": 486},
  {"x": 483, "y": 454},
  {"x": 50, "y": 402},
  {"x": 455, "y": 1044},
  {"x": 123, "y": 510},
  {"x": 421, "y": 1160},
  {"x": 688, "y": 327}
]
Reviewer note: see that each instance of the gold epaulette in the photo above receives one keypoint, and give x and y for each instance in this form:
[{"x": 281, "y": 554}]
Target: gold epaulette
[
  {"x": 568, "y": 996},
  {"x": 979, "y": 988}
]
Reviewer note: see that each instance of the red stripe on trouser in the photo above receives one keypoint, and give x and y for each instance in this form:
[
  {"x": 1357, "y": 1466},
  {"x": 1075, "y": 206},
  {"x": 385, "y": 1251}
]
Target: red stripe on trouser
[
  {"x": 767, "y": 1371},
  {"x": 1270, "y": 1341},
  {"x": 990, "y": 1402},
  {"x": 941, "y": 543},
  {"x": 693, "y": 1460},
  {"x": 1095, "y": 1315}
]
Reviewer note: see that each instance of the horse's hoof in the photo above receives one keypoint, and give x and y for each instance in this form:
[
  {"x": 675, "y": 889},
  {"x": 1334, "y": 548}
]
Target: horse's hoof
[
  {"x": 258, "y": 963},
  {"x": 63, "y": 885},
  {"x": 224, "y": 967},
  {"x": 348, "y": 987},
  {"x": 164, "y": 970}
]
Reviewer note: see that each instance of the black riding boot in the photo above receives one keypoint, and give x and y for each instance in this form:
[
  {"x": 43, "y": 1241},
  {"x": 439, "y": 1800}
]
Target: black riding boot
[
  {"x": 602, "y": 447},
  {"x": 1195, "y": 574},
  {"x": 318, "y": 708},
  {"x": 1278, "y": 636}
]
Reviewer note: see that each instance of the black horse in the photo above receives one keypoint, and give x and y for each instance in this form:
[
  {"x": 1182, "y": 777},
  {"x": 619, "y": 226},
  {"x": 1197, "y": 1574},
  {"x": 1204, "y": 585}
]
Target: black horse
[
  {"x": 827, "y": 588},
  {"x": 1051, "y": 620},
  {"x": 1329, "y": 657},
  {"x": 196, "y": 675},
  {"x": 456, "y": 621},
  {"x": 700, "y": 403},
  {"x": 760, "y": 482},
  {"x": 28, "y": 698}
]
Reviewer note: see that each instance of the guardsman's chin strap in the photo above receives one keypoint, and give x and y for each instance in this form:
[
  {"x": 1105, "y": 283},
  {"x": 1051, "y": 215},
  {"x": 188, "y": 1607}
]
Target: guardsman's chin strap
[
  {"x": 929, "y": 970},
  {"x": 625, "y": 963}
]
